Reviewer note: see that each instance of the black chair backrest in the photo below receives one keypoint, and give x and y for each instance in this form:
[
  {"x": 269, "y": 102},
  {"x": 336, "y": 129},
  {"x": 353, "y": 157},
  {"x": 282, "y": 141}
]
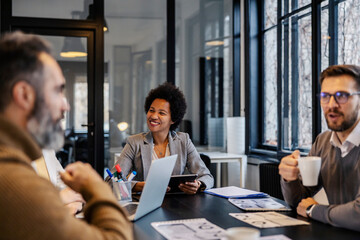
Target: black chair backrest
[
  {"x": 270, "y": 180},
  {"x": 186, "y": 126},
  {"x": 206, "y": 160}
]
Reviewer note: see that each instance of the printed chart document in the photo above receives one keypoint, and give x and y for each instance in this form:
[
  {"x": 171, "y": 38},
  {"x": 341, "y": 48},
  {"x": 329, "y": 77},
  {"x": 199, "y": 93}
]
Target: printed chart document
[
  {"x": 235, "y": 192},
  {"x": 259, "y": 204},
  {"x": 275, "y": 237},
  {"x": 267, "y": 219},
  {"x": 197, "y": 228}
]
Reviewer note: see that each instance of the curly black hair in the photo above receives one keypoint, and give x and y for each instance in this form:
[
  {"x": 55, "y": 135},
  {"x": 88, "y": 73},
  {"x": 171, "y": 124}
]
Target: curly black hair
[{"x": 172, "y": 95}]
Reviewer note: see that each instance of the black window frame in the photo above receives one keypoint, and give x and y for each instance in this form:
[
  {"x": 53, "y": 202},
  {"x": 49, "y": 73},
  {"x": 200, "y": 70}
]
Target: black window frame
[{"x": 254, "y": 82}]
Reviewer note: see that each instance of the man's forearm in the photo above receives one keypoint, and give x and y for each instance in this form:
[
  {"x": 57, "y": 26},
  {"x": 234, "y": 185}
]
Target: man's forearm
[{"x": 343, "y": 215}]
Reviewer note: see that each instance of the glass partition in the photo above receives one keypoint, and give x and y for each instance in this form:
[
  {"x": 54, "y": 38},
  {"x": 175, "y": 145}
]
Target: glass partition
[
  {"x": 204, "y": 68},
  {"x": 76, "y": 92},
  {"x": 135, "y": 53},
  {"x": 51, "y": 8}
]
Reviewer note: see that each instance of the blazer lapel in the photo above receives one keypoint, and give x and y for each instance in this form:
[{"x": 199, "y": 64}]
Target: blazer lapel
[
  {"x": 175, "y": 148},
  {"x": 173, "y": 143},
  {"x": 146, "y": 148}
]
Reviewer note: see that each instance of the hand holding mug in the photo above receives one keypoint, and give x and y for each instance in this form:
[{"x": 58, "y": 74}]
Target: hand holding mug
[{"x": 288, "y": 166}]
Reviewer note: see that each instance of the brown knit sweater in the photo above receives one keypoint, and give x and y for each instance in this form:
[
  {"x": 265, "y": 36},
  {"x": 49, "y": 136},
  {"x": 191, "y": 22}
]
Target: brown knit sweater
[{"x": 31, "y": 208}]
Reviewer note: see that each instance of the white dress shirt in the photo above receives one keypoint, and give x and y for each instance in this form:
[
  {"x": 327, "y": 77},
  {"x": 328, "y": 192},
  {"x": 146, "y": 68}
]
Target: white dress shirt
[{"x": 351, "y": 141}]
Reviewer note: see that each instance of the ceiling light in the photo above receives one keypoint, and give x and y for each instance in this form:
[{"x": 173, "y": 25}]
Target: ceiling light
[
  {"x": 106, "y": 29},
  {"x": 122, "y": 126},
  {"x": 72, "y": 48}
]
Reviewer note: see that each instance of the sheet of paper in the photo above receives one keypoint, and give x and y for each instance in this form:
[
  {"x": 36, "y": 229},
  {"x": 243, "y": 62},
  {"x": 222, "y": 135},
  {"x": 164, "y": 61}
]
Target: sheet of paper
[
  {"x": 197, "y": 228},
  {"x": 267, "y": 219},
  {"x": 233, "y": 191}
]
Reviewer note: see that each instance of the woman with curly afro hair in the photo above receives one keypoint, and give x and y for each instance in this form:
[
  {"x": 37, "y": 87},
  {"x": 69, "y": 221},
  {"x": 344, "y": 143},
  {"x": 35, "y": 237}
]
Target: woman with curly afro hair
[{"x": 165, "y": 107}]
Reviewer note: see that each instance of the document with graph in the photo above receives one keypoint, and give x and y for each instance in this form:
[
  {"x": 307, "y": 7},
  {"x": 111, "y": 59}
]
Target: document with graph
[
  {"x": 267, "y": 219},
  {"x": 197, "y": 228},
  {"x": 259, "y": 204}
]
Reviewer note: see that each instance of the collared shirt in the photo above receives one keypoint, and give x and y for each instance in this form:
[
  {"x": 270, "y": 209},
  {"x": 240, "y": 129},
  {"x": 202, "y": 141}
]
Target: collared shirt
[{"x": 351, "y": 141}]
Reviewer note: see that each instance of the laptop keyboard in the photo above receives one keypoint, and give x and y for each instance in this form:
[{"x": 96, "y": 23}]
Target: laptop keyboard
[{"x": 131, "y": 208}]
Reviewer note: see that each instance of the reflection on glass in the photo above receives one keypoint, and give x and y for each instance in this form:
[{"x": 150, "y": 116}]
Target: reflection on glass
[
  {"x": 76, "y": 92},
  {"x": 80, "y": 104},
  {"x": 51, "y": 8},
  {"x": 204, "y": 67},
  {"x": 135, "y": 50},
  {"x": 75, "y": 73}
]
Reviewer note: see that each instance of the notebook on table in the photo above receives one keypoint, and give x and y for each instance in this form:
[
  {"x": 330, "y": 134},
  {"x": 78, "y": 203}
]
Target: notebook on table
[
  {"x": 154, "y": 190},
  {"x": 235, "y": 192}
]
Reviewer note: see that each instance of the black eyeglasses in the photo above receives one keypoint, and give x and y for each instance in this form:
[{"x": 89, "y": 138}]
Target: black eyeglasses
[{"x": 340, "y": 97}]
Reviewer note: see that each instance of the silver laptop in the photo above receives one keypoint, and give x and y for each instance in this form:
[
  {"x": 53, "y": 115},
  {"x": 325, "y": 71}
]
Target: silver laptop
[{"x": 154, "y": 190}]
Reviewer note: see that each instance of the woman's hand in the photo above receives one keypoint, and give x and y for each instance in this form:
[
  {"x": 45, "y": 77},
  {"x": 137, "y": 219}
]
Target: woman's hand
[
  {"x": 138, "y": 187},
  {"x": 190, "y": 187}
]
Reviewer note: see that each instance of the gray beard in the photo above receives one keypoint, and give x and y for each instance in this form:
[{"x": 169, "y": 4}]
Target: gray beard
[{"x": 47, "y": 133}]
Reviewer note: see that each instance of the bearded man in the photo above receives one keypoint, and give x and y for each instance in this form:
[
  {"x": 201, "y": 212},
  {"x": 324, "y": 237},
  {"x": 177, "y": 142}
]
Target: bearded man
[
  {"x": 32, "y": 104},
  {"x": 339, "y": 151}
]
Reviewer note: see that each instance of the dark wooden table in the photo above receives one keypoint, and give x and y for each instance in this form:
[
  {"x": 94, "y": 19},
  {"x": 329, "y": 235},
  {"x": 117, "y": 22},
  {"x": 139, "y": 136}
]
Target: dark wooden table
[{"x": 216, "y": 210}]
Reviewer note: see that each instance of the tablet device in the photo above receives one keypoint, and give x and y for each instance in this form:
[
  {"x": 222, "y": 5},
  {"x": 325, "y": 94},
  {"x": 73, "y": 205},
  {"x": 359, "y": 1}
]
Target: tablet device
[{"x": 175, "y": 180}]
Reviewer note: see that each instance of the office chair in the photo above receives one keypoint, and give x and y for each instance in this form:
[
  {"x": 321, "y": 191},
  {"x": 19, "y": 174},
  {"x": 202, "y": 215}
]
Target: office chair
[
  {"x": 270, "y": 180},
  {"x": 186, "y": 126},
  {"x": 206, "y": 160}
]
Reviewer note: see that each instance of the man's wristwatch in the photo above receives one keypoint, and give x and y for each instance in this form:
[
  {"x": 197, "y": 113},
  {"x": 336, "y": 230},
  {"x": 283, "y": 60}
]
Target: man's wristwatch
[{"x": 309, "y": 210}]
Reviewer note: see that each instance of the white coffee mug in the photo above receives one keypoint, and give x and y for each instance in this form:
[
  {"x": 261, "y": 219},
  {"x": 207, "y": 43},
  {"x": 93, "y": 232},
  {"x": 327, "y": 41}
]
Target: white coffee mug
[
  {"x": 309, "y": 170},
  {"x": 242, "y": 233}
]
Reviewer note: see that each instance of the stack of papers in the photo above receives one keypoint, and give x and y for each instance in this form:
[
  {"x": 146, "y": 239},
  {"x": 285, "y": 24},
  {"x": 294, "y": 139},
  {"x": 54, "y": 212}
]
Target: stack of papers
[{"x": 235, "y": 192}]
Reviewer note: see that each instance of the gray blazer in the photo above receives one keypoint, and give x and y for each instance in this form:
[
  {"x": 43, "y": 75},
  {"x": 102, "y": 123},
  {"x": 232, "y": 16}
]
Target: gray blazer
[{"x": 136, "y": 155}]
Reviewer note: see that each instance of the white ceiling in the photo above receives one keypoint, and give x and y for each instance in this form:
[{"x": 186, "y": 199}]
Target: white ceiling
[
  {"x": 113, "y": 8},
  {"x": 135, "y": 8}
]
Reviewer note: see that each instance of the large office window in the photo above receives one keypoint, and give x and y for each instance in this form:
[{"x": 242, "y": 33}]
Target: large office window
[
  {"x": 296, "y": 76},
  {"x": 290, "y": 108},
  {"x": 270, "y": 73}
]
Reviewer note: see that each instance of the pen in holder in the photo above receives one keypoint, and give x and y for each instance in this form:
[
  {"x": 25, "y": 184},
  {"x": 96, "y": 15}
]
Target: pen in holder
[{"x": 122, "y": 191}]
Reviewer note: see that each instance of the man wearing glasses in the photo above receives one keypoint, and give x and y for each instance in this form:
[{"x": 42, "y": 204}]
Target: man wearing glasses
[{"x": 339, "y": 150}]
